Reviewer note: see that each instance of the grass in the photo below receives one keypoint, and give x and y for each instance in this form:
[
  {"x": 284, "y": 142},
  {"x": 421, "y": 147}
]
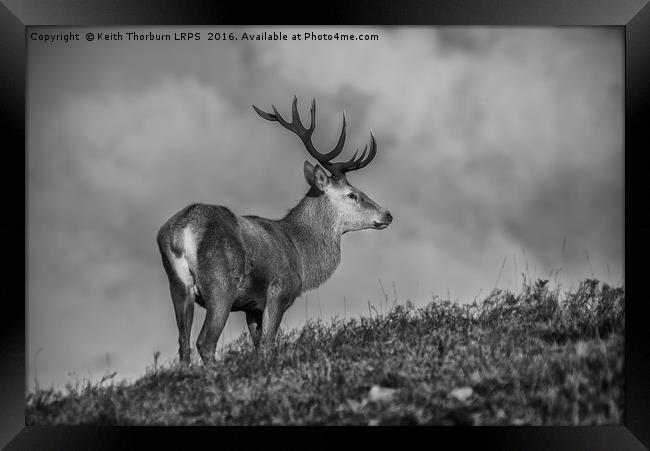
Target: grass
[{"x": 538, "y": 357}]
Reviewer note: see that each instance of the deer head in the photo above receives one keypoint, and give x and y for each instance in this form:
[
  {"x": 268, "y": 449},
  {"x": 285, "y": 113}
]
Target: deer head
[{"x": 354, "y": 210}]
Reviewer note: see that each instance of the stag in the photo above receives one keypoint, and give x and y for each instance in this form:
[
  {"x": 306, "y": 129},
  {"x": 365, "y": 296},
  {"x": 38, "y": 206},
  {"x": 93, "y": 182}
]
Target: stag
[{"x": 227, "y": 263}]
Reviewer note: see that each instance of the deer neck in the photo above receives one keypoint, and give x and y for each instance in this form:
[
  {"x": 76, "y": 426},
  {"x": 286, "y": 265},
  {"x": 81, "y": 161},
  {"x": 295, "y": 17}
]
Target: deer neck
[{"x": 316, "y": 235}]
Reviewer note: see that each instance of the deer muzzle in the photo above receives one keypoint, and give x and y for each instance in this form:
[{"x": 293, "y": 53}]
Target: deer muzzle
[{"x": 385, "y": 221}]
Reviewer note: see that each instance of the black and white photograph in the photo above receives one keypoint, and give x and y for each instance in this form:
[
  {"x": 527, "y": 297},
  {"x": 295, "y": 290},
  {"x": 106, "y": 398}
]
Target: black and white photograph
[{"x": 325, "y": 225}]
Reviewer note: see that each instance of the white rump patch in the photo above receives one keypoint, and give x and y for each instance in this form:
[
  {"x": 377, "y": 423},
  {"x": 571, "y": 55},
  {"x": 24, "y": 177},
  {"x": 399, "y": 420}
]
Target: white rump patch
[
  {"x": 189, "y": 245},
  {"x": 182, "y": 264}
]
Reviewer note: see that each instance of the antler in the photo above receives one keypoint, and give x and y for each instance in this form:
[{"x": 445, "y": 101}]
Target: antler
[{"x": 337, "y": 170}]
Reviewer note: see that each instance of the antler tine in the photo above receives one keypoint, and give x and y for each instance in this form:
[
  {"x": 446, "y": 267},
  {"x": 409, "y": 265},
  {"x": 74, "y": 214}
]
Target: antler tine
[
  {"x": 280, "y": 119},
  {"x": 363, "y": 154},
  {"x": 264, "y": 114},
  {"x": 339, "y": 145},
  {"x": 295, "y": 116},
  {"x": 353, "y": 164},
  {"x": 312, "y": 111},
  {"x": 351, "y": 160},
  {"x": 373, "y": 151}
]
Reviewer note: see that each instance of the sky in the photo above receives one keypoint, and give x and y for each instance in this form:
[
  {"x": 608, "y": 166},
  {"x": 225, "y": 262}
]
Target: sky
[{"x": 500, "y": 154}]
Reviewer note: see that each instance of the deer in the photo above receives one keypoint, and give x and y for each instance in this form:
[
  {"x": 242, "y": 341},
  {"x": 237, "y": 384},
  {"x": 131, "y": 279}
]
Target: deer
[{"x": 227, "y": 263}]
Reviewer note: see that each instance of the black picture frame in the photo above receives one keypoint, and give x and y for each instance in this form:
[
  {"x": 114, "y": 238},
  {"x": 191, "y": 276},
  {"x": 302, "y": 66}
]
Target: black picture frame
[{"x": 16, "y": 15}]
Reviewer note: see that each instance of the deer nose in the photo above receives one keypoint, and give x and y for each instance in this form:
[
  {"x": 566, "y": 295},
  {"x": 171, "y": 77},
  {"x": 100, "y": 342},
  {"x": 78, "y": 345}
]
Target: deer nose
[{"x": 388, "y": 217}]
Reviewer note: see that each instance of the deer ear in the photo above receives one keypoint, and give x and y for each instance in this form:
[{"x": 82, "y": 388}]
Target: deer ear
[
  {"x": 316, "y": 176},
  {"x": 308, "y": 169},
  {"x": 321, "y": 180}
]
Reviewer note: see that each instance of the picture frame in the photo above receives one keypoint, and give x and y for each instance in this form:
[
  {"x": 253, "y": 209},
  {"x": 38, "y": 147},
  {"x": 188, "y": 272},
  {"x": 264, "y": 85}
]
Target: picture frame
[{"x": 633, "y": 15}]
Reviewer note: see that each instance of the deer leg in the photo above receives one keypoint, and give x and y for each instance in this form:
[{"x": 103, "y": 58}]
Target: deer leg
[
  {"x": 254, "y": 321},
  {"x": 272, "y": 316},
  {"x": 215, "y": 320},
  {"x": 219, "y": 279},
  {"x": 183, "y": 301}
]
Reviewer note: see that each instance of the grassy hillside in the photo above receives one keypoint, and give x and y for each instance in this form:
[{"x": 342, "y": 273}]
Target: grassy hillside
[{"x": 536, "y": 357}]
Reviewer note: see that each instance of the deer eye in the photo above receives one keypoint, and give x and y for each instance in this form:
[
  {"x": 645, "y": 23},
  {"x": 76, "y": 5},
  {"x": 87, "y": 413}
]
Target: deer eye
[{"x": 352, "y": 196}]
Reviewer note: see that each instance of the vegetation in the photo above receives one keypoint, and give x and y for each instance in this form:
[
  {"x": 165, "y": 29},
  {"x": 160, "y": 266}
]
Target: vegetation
[{"x": 539, "y": 357}]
